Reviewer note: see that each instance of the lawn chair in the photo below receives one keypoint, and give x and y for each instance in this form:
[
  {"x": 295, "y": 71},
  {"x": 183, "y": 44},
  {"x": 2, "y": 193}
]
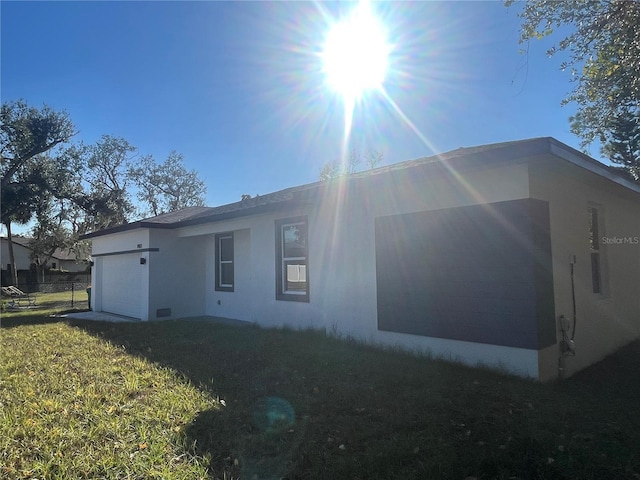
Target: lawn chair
[
  {"x": 11, "y": 291},
  {"x": 16, "y": 296}
]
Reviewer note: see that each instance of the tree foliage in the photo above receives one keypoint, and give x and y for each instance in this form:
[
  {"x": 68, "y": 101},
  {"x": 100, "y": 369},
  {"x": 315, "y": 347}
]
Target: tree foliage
[
  {"x": 338, "y": 168},
  {"x": 168, "y": 186},
  {"x": 108, "y": 199},
  {"x": 623, "y": 146},
  {"x": 26, "y": 132},
  {"x": 26, "y": 135},
  {"x": 69, "y": 191},
  {"x": 603, "y": 48},
  {"x": 73, "y": 188},
  {"x": 50, "y": 234}
]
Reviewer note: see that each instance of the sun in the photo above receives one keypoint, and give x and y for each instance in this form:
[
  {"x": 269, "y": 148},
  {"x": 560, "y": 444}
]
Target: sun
[{"x": 355, "y": 55}]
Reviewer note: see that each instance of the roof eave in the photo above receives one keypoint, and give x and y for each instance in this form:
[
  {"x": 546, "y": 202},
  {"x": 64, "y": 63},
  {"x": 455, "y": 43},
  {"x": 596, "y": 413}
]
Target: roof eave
[
  {"x": 258, "y": 209},
  {"x": 123, "y": 228},
  {"x": 246, "y": 212},
  {"x": 578, "y": 158},
  {"x": 522, "y": 151}
]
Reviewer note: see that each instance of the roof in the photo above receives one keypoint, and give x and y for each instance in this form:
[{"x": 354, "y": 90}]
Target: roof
[
  {"x": 512, "y": 151},
  {"x": 196, "y": 215}
]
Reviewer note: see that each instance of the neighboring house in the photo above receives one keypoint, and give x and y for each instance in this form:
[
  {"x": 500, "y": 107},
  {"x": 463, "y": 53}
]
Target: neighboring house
[
  {"x": 21, "y": 253},
  {"x": 66, "y": 260},
  {"x": 468, "y": 255},
  {"x": 61, "y": 259}
]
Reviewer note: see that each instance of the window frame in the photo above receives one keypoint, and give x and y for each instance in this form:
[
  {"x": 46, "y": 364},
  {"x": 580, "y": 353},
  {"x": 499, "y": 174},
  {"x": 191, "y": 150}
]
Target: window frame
[
  {"x": 597, "y": 250},
  {"x": 219, "y": 286},
  {"x": 282, "y": 262}
]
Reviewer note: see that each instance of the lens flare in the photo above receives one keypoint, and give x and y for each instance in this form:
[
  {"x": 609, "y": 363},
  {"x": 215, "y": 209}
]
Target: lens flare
[
  {"x": 356, "y": 54},
  {"x": 355, "y": 60}
]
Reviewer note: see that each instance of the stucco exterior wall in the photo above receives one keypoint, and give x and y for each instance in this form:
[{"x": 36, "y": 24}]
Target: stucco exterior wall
[
  {"x": 253, "y": 298},
  {"x": 241, "y": 302},
  {"x": 349, "y": 255},
  {"x": 341, "y": 268},
  {"x": 342, "y": 271},
  {"x": 605, "y": 321},
  {"x": 176, "y": 275},
  {"x": 119, "y": 242},
  {"x": 101, "y": 247}
]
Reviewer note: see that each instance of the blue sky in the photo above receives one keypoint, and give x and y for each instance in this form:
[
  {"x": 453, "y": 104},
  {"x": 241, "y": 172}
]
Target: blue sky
[{"x": 238, "y": 87}]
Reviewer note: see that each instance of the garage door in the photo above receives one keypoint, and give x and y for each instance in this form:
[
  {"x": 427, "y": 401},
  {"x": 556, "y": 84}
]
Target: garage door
[{"x": 122, "y": 285}]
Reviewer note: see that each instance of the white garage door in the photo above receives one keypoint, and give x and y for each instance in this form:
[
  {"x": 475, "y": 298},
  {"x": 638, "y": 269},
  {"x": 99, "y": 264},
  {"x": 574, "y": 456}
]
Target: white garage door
[{"x": 122, "y": 285}]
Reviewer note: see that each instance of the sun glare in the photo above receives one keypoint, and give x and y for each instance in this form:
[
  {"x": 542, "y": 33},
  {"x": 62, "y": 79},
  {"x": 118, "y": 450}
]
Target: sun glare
[{"x": 355, "y": 54}]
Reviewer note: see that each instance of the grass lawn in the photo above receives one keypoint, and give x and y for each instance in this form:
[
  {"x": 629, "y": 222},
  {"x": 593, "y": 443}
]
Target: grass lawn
[
  {"x": 194, "y": 399},
  {"x": 44, "y": 304}
]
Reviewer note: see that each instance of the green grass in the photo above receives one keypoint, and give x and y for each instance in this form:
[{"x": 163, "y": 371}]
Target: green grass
[
  {"x": 75, "y": 406},
  {"x": 193, "y": 399},
  {"x": 45, "y": 304}
]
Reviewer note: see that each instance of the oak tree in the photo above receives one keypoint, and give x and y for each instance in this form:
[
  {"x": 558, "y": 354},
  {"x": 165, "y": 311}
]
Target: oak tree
[
  {"x": 168, "y": 186},
  {"x": 601, "y": 42},
  {"x": 26, "y": 134}
]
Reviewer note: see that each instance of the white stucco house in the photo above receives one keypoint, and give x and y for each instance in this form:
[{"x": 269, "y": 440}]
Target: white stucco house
[{"x": 474, "y": 255}]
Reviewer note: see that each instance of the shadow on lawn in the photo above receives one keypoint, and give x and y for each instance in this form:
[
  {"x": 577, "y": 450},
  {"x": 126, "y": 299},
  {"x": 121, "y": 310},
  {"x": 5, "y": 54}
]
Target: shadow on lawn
[
  {"x": 30, "y": 318},
  {"x": 616, "y": 376},
  {"x": 311, "y": 403},
  {"x": 255, "y": 434}
]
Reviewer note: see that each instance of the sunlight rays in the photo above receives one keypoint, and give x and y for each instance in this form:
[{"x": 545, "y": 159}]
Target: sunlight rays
[
  {"x": 419, "y": 65},
  {"x": 356, "y": 65},
  {"x": 355, "y": 61},
  {"x": 355, "y": 54}
]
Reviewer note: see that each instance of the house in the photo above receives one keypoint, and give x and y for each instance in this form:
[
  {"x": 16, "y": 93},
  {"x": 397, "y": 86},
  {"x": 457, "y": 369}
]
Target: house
[
  {"x": 21, "y": 253},
  {"x": 474, "y": 255},
  {"x": 61, "y": 259}
]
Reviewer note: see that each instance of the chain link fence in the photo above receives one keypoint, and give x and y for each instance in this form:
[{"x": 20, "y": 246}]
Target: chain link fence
[{"x": 46, "y": 296}]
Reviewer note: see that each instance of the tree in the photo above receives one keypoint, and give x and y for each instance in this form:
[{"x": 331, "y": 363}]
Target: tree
[
  {"x": 49, "y": 235},
  {"x": 107, "y": 201},
  {"x": 337, "y": 168},
  {"x": 373, "y": 158},
  {"x": 60, "y": 215},
  {"x": 168, "y": 186},
  {"x": 72, "y": 189},
  {"x": 603, "y": 49},
  {"x": 623, "y": 146},
  {"x": 25, "y": 134},
  {"x": 18, "y": 200},
  {"x": 330, "y": 170},
  {"x": 66, "y": 204}
]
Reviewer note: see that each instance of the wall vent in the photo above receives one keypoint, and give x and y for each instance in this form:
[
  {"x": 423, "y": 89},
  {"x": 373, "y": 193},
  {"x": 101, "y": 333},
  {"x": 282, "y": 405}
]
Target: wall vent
[{"x": 163, "y": 312}]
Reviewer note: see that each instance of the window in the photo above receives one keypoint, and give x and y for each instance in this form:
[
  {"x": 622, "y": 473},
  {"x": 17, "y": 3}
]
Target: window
[
  {"x": 292, "y": 272},
  {"x": 224, "y": 262},
  {"x": 53, "y": 265},
  {"x": 595, "y": 249}
]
